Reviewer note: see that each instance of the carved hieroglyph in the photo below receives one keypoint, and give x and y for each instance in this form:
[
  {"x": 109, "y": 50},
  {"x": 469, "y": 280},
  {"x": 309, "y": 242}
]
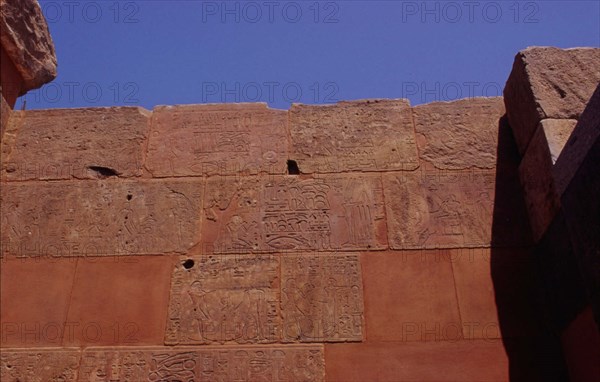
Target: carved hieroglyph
[
  {"x": 217, "y": 139},
  {"x": 39, "y": 365},
  {"x": 219, "y": 299},
  {"x": 75, "y": 143},
  {"x": 439, "y": 209},
  {"x": 290, "y": 213},
  {"x": 109, "y": 217},
  {"x": 225, "y": 298},
  {"x": 461, "y": 134},
  {"x": 372, "y": 135},
  {"x": 294, "y": 363},
  {"x": 322, "y": 298}
]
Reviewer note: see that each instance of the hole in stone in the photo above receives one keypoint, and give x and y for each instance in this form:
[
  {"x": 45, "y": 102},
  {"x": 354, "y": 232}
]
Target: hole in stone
[
  {"x": 293, "y": 168},
  {"x": 129, "y": 197},
  {"x": 103, "y": 172},
  {"x": 188, "y": 264}
]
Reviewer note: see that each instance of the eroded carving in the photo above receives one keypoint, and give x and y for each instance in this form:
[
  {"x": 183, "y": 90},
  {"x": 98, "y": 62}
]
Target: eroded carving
[
  {"x": 439, "y": 209},
  {"x": 217, "y": 139},
  {"x": 374, "y": 135},
  {"x": 214, "y": 363},
  {"x": 100, "y": 218},
  {"x": 287, "y": 213},
  {"x": 226, "y": 298},
  {"x": 39, "y": 365},
  {"x": 322, "y": 298}
]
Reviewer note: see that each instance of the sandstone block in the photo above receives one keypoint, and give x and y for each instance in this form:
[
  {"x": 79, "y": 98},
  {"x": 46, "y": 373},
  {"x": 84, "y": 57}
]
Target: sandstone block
[
  {"x": 34, "y": 300},
  {"x": 196, "y": 140},
  {"x": 579, "y": 144},
  {"x": 40, "y": 365},
  {"x": 548, "y": 82},
  {"x": 291, "y": 213},
  {"x": 118, "y": 301},
  {"x": 251, "y": 299},
  {"x": 436, "y": 209},
  {"x": 94, "y": 218},
  {"x": 25, "y": 37},
  {"x": 410, "y": 297},
  {"x": 459, "y": 135},
  {"x": 75, "y": 143},
  {"x": 538, "y": 181},
  {"x": 322, "y": 298},
  {"x": 223, "y": 299},
  {"x": 372, "y": 135}
]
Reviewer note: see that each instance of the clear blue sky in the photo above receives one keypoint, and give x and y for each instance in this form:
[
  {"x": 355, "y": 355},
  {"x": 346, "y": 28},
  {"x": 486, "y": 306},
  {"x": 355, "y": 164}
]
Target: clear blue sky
[{"x": 150, "y": 53}]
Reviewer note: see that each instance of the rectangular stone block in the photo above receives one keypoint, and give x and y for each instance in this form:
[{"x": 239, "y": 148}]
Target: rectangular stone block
[
  {"x": 547, "y": 82},
  {"x": 39, "y": 365},
  {"x": 34, "y": 301},
  {"x": 291, "y": 213},
  {"x": 436, "y": 209},
  {"x": 118, "y": 301},
  {"x": 61, "y": 219},
  {"x": 225, "y": 299},
  {"x": 251, "y": 299},
  {"x": 210, "y": 363},
  {"x": 410, "y": 296},
  {"x": 196, "y": 140},
  {"x": 538, "y": 181},
  {"x": 459, "y": 135},
  {"x": 322, "y": 298},
  {"x": 367, "y": 135},
  {"x": 465, "y": 361},
  {"x": 75, "y": 143}
]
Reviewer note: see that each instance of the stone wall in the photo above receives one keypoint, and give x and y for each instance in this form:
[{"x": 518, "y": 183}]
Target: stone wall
[{"x": 237, "y": 241}]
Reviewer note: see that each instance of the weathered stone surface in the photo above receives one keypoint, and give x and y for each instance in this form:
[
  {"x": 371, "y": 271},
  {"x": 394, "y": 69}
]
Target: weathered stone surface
[
  {"x": 52, "y": 365},
  {"x": 25, "y": 37},
  {"x": 34, "y": 300},
  {"x": 372, "y": 135},
  {"x": 548, "y": 82},
  {"x": 75, "y": 143},
  {"x": 225, "y": 299},
  {"x": 459, "y": 135},
  {"x": 217, "y": 139},
  {"x": 118, "y": 301},
  {"x": 321, "y": 299},
  {"x": 10, "y": 79},
  {"x": 579, "y": 144},
  {"x": 439, "y": 209},
  {"x": 108, "y": 217},
  {"x": 5, "y": 111},
  {"x": 537, "y": 179},
  {"x": 410, "y": 296},
  {"x": 211, "y": 363},
  {"x": 274, "y": 214},
  {"x": 557, "y": 132},
  {"x": 220, "y": 299}
]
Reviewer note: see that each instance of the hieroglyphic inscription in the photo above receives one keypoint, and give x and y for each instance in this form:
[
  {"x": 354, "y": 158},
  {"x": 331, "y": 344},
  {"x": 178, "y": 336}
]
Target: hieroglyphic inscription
[
  {"x": 71, "y": 143},
  {"x": 322, "y": 299},
  {"x": 289, "y": 213},
  {"x": 217, "y": 139},
  {"x": 439, "y": 209},
  {"x": 211, "y": 364},
  {"x": 59, "y": 219},
  {"x": 225, "y": 298},
  {"x": 373, "y": 135},
  {"x": 39, "y": 365}
]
